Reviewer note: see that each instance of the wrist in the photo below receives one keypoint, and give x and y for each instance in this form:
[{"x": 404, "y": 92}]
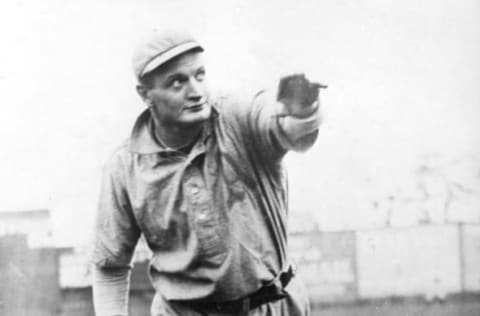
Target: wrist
[{"x": 302, "y": 111}]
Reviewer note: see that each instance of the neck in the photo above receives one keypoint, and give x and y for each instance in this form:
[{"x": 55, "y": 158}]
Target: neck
[{"x": 176, "y": 136}]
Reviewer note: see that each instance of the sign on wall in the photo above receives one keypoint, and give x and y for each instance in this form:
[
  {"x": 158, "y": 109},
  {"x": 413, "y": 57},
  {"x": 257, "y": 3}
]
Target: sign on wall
[{"x": 326, "y": 264}]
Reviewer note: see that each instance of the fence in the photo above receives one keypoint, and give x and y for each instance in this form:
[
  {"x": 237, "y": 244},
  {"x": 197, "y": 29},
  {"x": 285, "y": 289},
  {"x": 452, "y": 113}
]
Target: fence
[
  {"x": 429, "y": 261},
  {"x": 346, "y": 266}
]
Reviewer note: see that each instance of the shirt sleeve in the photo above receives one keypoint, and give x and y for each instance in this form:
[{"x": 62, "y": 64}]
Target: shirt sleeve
[
  {"x": 116, "y": 230},
  {"x": 279, "y": 131},
  {"x": 110, "y": 291}
]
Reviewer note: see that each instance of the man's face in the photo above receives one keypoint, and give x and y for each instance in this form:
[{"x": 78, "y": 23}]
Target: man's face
[{"x": 178, "y": 93}]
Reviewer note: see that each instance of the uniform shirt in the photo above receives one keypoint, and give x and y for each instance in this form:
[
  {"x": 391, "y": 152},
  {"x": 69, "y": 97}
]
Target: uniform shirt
[{"x": 215, "y": 217}]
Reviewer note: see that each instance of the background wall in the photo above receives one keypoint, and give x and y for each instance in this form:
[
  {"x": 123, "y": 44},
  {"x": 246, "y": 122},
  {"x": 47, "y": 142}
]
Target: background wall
[
  {"x": 409, "y": 261},
  {"x": 471, "y": 259},
  {"x": 402, "y": 270},
  {"x": 399, "y": 146}
]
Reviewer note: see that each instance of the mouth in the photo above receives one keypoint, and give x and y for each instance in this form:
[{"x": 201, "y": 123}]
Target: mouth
[{"x": 195, "y": 107}]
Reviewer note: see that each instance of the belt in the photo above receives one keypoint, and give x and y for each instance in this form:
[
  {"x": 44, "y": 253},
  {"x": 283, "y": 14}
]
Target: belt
[{"x": 271, "y": 292}]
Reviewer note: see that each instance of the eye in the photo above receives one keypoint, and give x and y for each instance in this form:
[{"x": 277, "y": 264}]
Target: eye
[
  {"x": 177, "y": 82},
  {"x": 200, "y": 75}
]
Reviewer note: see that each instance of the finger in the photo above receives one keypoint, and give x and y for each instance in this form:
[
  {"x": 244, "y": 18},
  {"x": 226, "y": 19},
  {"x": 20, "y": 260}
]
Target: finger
[{"x": 319, "y": 85}]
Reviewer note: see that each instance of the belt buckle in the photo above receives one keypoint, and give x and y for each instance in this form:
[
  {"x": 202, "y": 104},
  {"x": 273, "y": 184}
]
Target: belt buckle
[
  {"x": 287, "y": 276},
  {"x": 245, "y": 305},
  {"x": 218, "y": 307}
]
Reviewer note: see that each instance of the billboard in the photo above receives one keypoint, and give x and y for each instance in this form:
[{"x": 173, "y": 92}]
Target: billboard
[{"x": 326, "y": 264}]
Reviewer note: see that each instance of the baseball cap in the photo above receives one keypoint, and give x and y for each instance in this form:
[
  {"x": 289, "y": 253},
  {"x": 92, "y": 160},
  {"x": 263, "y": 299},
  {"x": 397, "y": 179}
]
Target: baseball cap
[{"x": 160, "y": 47}]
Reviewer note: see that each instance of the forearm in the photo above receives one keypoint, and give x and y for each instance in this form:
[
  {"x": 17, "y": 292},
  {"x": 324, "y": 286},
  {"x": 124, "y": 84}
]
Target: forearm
[
  {"x": 110, "y": 291},
  {"x": 299, "y": 132},
  {"x": 300, "y": 106}
]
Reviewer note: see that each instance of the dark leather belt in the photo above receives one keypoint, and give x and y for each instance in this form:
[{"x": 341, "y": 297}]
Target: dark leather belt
[{"x": 271, "y": 292}]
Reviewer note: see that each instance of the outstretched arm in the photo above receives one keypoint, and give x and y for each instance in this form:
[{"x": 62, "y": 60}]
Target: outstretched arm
[
  {"x": 116, "y": 234},
  {"x": 288, "y": 119},
  {"x": 300, "y": 114}
]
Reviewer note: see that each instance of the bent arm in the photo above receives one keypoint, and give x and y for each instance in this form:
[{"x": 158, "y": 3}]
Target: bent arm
[{"x": 116, "y": 235}]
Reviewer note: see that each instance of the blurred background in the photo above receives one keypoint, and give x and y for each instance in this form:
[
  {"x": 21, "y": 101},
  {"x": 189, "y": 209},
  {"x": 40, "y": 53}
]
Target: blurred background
[{"x": 385, "y": 208}]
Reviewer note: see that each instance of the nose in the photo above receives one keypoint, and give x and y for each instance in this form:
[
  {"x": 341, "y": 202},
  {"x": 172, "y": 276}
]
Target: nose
[{"x": 195, "y": 90}]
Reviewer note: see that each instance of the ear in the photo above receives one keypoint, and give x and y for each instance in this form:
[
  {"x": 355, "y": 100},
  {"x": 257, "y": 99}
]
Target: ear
[{"x": 143, "y": 93}]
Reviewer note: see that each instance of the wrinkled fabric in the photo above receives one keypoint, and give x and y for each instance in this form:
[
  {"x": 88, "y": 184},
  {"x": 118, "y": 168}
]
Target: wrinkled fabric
[
  {"x": 215, "y": 218},
  {"x": 295, "y": 304}
]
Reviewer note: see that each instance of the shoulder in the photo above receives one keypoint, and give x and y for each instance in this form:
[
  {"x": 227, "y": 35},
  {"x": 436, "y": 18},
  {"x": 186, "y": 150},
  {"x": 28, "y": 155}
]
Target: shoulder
[
  {"x": 119, "y": 158},
  {"x": 236, "y": 109},
  {"x": 230, "y": 104},
  {"x": 237, "y": 102},
  {"x": 231, "y": 116}
]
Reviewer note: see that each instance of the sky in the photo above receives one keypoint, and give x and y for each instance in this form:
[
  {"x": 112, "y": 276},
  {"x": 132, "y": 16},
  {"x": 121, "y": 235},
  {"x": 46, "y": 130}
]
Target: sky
[{"x": 403, "y": 82}]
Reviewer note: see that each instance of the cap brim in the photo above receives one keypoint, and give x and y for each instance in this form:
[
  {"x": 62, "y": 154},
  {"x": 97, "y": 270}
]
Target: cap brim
[{"x": 168, "y": 55}]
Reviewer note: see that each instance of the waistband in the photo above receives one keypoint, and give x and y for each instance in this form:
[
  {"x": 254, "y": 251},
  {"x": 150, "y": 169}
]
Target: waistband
[{"x": 271, "y": 292}]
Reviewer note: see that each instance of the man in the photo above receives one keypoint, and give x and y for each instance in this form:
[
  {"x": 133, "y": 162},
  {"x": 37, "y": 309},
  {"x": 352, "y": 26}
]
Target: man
[{"x": 202, "y": 180}]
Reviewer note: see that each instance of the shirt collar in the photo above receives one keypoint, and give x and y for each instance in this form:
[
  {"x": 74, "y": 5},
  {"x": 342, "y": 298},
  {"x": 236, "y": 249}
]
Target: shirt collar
[{"x": 141, "y": 138}]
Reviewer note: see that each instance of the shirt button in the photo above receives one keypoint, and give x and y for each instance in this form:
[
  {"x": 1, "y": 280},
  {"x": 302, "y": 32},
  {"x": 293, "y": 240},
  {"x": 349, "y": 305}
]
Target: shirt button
[{"x": 195, "y": 190}]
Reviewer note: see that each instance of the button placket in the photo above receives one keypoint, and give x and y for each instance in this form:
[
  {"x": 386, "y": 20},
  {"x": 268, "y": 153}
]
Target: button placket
[
  {"x": 202, "y": 215},
  {"x": 195, "y": 190},
  {"x": 203, "y": 220}
]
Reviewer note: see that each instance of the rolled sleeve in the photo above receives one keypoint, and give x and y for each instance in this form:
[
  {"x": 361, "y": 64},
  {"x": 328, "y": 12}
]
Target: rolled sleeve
[
  {"x": 110, "y": 291},
  {"x": 299, "y": 134},
  {"x": 116, "y": 231}
]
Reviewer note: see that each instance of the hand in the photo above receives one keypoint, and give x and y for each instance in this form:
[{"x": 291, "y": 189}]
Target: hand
[{"x": 298, "y": 94}]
